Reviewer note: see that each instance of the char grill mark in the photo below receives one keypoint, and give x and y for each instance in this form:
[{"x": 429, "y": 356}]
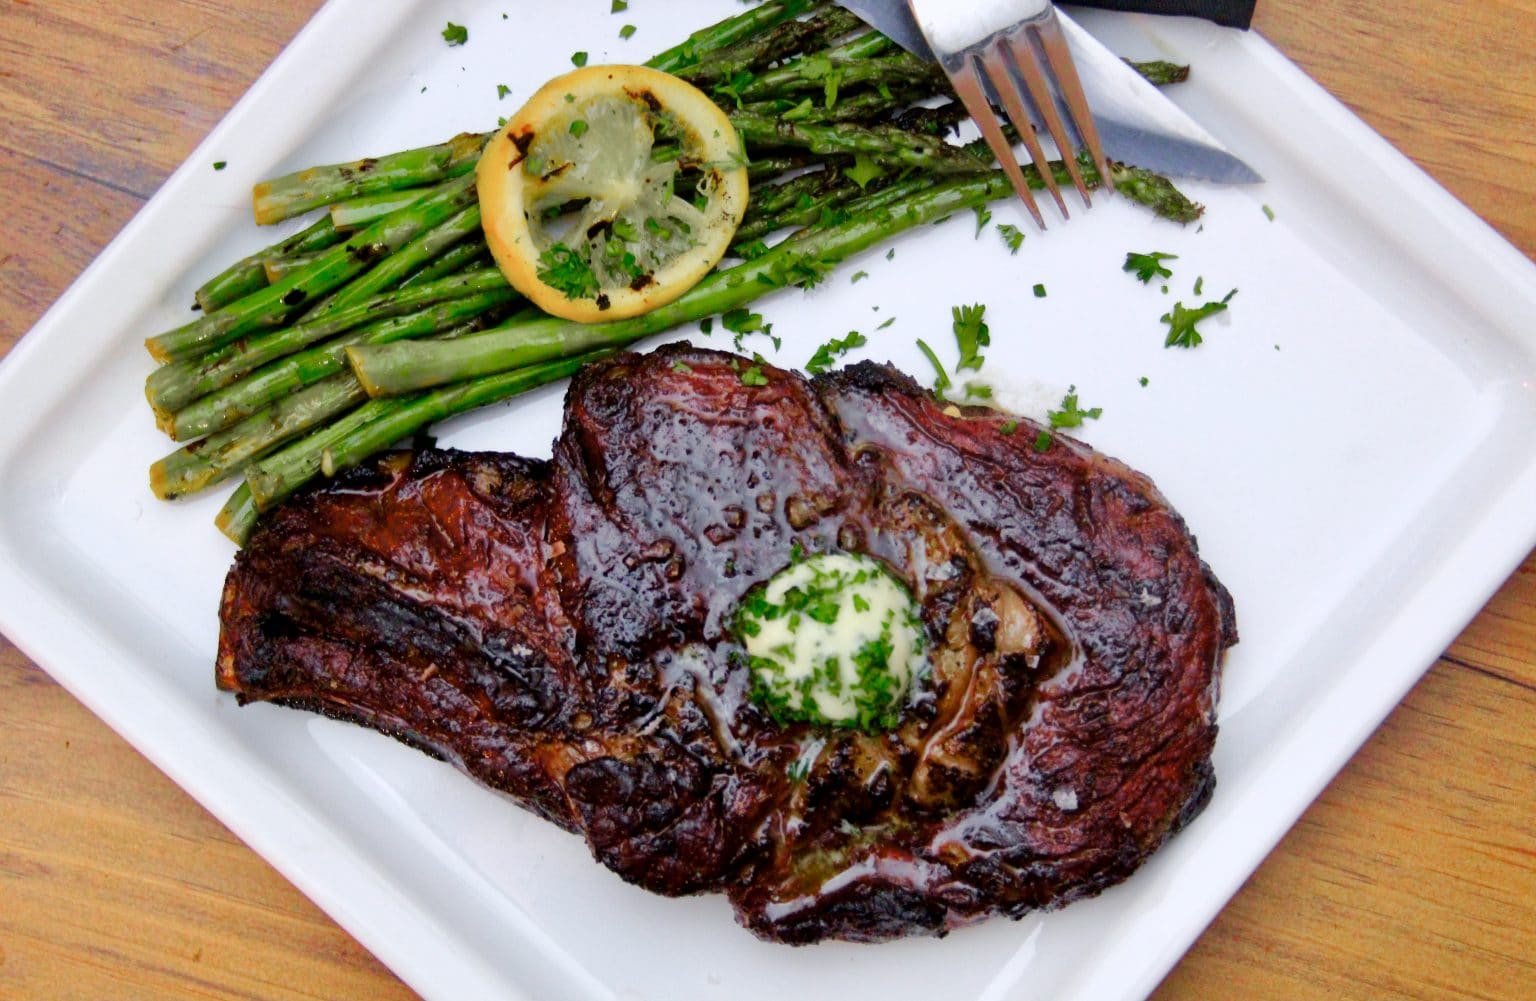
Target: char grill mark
[{"x": 558, "y": 631}]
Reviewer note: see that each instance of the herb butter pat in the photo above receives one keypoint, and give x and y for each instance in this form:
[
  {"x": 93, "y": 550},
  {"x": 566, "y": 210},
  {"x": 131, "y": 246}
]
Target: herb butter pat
[{"x": 833, "y": 639}]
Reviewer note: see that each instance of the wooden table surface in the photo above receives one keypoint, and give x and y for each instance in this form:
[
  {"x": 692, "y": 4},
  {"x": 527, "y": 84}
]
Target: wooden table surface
[{"x": 1413, "y": 876}]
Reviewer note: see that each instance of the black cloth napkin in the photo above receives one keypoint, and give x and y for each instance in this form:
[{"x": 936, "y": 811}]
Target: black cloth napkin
[{"x": 1232, "y": 13}]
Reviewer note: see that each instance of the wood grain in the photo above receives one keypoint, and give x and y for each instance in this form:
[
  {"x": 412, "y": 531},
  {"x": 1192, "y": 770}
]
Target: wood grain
[{"x": 1413, "y": 876}]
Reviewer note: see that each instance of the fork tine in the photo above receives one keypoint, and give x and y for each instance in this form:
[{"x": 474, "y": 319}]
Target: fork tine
[
  {"x": 1054, "y": 44},
  {"x": 1044, "y": 101},
  {"x": 968, "y": 88},
  {"x": 1003, "y": 83}
]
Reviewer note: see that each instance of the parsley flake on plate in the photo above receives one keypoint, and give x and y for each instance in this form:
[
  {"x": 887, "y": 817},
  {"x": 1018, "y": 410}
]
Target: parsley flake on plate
[
  {"x": 1181, "y": 321},
  {"x": 972, "y": 334},
  {"x": 455, "y": 34},
  {"x": 1071, "y": 415},
  {"x": 825, "y": 355},
  {"x": 941, "y": 381},
  {"x": 1148, "y": 266},
  {"x": 983, "y": 216}
]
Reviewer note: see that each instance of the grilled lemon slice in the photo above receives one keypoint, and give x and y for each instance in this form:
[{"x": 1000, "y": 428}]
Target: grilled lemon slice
[{"x": 611, "y": 192}]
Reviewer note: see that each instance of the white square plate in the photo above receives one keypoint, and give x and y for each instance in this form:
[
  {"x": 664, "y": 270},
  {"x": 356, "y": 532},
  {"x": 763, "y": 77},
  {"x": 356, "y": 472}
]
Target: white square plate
[{"x": 1353, "y": 444}]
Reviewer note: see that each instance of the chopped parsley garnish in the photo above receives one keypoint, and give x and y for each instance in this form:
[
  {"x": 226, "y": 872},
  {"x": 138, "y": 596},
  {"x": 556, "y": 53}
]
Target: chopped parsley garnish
[
  {"x": 890, "y": 255},
  {"x": 1144, "y": 380},
  {"x": 619, "y": 6},
  {"x": 742, "y": 321},
  {"x": 578, "y": 128},
  {"x": 564, "y": 270},
  {"x": 220, "y": 164},
  {"x": 888, "y": 321},
  {"x": 578, "y": 59},
  {"x": 1199, "y": 284},
  {"x": 856, "y": 676},
  {"x": 1043, "y": 441},
  {"x": 707, "y": 326},
  {"x": 863, "y": 171},
  {"x": 800, "y": 270},
  {"x": 972, "y": 334},
  {"x": 752, "y": 251},
  {"x": 1148, "y": 266},
  {"x": 1071, "y": 415},
  {"x": 627, "y": 32},
  {"x": 983, "y": 216},
  {"x": 978, "y": 391},
  {"x": 858, "y": 276},
  {"x": 682, "y": 366},
  {"x": 1012, "y": 235},
  {"x": 1269, "y": 213},
  {"x": 1008, "y": 427},
  {"x": 502, "y": 90},
  {"x": 1039, "y": 290},
  {"x": 799, "y": 112},
  {"x": 825, "y": 355},
  {"x": 753, "y": 376},
  {"x": 1181, "y": 321},
  {"x": 941, "y": 383},
  {"x": 455, "y": 34}
]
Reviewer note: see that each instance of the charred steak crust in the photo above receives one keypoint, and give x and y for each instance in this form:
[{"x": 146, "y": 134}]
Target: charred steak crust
[{"x": 558, "y": 631}]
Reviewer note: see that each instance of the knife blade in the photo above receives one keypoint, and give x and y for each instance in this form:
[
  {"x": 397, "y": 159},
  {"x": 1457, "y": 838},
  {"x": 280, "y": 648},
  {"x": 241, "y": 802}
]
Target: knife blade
[{"x": 1137, "y": 124}]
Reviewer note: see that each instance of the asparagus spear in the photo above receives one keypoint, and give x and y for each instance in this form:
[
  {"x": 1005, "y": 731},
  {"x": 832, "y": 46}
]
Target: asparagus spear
[
  {"x": 225, "y": 453},
  {"x": 1160, "y": 72},
  {"x": 394, "y": 268},
  {"x": 247, "y": 275},
  {"x": 772, "y": 199},
  {"x": 173, "y": 386},
  {"x": 205, "y": 462},
  {"x": 869, "y": 106},
  {"x": 765, "y": 166},
  {"x": 364, "y": 209},
  {"x": 471, "y": 255},
  {"x": 806, "y": 210},
  {"x": 729, "y": 32},
  {"x": 387, "y": 370},
  {"x": 809, "y": 71},
  {"x": 272, "y": 306},
  {"x": 1153, "y": 190},
  {"x": 273, "y": 382},
  {"x": 778, "y": 42},
  {"x": 294, "y": 194},
  {"x": 276, "y": 267},
  {"x": 884, "y": 144},
  {"x": 370, "y": 429}
]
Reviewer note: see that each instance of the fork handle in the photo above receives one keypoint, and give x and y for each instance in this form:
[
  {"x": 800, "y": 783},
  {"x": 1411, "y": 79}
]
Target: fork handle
[{"x": 1232, "y": 13}]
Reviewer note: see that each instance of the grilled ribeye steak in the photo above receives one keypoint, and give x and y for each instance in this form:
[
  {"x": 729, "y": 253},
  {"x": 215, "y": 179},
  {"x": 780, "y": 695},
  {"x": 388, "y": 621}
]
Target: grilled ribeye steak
[{"x": 560, "y": 631}]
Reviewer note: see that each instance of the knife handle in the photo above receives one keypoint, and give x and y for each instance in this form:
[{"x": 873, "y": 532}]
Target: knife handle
[{"x": 1232, "y": 13}]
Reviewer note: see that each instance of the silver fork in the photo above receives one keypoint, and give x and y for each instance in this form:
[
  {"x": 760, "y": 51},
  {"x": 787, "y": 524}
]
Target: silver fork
[{"x": 994, "y": 46}]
